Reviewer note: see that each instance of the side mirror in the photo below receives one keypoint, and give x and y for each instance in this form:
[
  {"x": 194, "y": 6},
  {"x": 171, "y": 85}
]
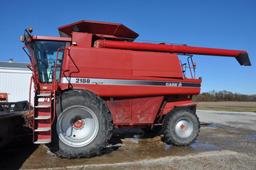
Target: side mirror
[{"x": 22, "y": 38}]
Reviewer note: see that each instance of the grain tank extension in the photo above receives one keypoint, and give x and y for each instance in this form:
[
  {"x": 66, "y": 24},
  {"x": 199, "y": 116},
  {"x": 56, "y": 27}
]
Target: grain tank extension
[{"x": 94, "y": 78}]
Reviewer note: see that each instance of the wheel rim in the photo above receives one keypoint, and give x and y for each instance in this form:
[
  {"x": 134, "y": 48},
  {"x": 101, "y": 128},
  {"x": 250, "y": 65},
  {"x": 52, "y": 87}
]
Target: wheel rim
[
  {"x": 184, "y": 128},
  {"x": 77, "y": 126}
]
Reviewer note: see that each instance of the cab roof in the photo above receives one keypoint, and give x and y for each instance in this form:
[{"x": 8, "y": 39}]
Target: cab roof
[{"x": 104, "y": 29}]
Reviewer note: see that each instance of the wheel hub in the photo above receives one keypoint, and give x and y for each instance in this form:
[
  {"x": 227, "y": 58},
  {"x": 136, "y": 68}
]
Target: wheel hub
[
  {"x": 183, "y": 128},
  {"x": 79, "y": 124}
]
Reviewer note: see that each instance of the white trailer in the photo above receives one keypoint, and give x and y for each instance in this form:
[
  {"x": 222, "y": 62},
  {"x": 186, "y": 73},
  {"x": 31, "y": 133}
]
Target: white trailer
[{"x": 15, "y": 81}]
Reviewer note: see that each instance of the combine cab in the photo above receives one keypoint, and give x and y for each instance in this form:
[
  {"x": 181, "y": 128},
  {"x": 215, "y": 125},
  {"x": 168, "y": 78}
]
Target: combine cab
[{"x": 94, "y": 78}]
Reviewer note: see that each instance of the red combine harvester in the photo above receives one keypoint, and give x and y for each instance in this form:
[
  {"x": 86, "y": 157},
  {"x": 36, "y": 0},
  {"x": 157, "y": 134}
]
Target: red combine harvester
[{"x": 94, "y": 78}]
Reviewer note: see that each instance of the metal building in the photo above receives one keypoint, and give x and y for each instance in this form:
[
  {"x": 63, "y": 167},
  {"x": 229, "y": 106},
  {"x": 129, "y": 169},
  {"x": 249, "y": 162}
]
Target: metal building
[{"x": 15, "y": 81}]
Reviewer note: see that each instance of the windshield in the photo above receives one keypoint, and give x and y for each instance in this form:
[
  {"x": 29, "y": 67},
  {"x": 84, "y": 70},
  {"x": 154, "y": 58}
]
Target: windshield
[{"x": 45, "y": 54}]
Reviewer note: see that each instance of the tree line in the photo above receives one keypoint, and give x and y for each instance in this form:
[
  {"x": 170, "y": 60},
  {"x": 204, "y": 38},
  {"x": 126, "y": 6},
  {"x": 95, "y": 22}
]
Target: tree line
[{"x": 223, "y": 96}]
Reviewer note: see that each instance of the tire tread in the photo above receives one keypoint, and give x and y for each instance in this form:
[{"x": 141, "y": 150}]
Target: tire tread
[{"x": 98, "y": 149}]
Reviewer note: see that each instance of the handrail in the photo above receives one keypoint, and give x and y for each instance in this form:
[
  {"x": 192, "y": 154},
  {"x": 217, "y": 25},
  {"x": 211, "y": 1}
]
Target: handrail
[
  {"x": 29, "y": 97},
  {"x": 191, "y": 66},
  {"x": 55, "y": 83},
  {"x": 28, "y": 122},
  {"x": 69, "y": 55},
  {"x": 70, "y": 72},
  {"x": 54, "y": 80}
]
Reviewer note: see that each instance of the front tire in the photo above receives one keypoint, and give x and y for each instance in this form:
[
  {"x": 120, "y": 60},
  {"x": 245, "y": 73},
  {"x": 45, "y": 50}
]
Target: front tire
[
  {"x": 181, "y": 127},
  {"x": 83, "y": 126}
]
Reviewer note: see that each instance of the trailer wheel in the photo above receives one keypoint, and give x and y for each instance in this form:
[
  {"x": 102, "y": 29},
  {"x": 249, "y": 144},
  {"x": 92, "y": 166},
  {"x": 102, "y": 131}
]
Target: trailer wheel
[
  {"x": 83, "y": 126},
  {"x": 181, "y": 127}
]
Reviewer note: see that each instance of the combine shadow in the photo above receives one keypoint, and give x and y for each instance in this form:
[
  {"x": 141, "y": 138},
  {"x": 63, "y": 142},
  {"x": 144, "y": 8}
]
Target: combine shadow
[
  {"x": 17, "y": 152},
  {"x": 131, "y": 133},
  {"x": 136, "y": 133}
]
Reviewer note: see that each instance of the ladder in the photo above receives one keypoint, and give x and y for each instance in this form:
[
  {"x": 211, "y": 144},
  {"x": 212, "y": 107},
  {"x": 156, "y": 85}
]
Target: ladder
[{"x": 42, "y": 121}]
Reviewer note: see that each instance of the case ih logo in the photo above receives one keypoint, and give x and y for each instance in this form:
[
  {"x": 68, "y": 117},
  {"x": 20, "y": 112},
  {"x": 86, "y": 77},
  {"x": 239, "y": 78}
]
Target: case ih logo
[{"x": 174, "y": 84}]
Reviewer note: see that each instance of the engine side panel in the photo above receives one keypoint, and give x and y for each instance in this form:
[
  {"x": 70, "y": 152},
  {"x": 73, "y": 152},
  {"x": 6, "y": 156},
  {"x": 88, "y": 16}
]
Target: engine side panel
[
  {"x": 134, "y": 111},
  {"x": 109, "y": 63},
  {"x": 125, "y": 73}
]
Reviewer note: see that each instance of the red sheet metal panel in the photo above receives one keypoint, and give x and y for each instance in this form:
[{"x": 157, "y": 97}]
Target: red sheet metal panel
[
  {"x": 109, "y": 63},
  {"x": 172, "y": 104},
  {"x": 114, "y": 72},
  {"x": 103, "y": 28},
  {"x": 134, "y": 111},
  {"x": 144, "y": 110},
  {"x": 121, "y": 111}
]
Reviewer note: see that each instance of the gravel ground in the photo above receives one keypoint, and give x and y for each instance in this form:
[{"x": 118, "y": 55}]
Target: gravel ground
[{"x": 227, "y": 141}]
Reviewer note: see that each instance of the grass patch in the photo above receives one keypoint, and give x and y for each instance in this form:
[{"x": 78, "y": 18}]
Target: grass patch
[{"x": 228, "y": 106}]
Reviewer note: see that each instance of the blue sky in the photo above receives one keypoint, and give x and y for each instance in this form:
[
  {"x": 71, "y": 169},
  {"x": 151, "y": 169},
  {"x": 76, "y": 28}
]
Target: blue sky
[{"x": 225, "y": 24}]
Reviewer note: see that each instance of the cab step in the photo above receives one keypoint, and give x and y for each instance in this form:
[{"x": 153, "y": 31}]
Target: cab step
[
  {"x": 43, "y": 129},
  {"x": 44, "y": 95},
  {"x": 42, "y": 117},
  {"x": 42, "y": 141},
  {"x": 43, "y": 106}
]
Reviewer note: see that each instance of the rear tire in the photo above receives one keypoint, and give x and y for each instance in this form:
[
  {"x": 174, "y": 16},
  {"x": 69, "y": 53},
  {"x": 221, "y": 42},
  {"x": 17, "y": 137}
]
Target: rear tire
[
  {"x": 83, "y": 126},
  {"x": 181, "y": 127}
]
